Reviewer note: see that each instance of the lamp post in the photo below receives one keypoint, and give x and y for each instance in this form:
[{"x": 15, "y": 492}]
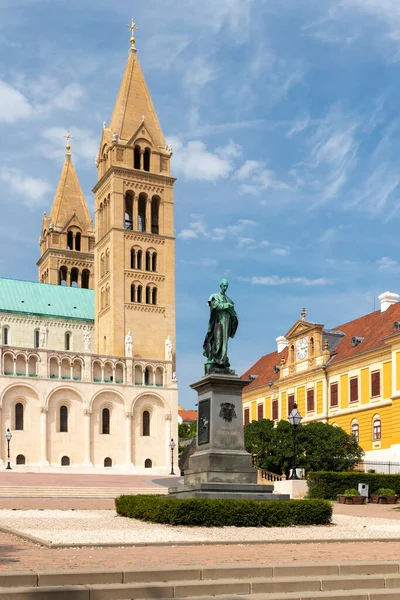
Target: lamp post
[
  {"x": 294, "y": 420},
  {"x": 8, "y": 438},
  {"x": 172, "y": 446}
]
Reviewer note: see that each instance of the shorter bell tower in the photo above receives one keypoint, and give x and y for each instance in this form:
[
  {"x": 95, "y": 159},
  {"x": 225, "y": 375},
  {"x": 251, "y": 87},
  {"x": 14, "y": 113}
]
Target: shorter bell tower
[{"x": 67, "y": 238}]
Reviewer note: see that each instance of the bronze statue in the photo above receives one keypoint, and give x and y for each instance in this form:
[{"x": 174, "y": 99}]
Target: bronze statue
[{"x": 223, "y": 325}]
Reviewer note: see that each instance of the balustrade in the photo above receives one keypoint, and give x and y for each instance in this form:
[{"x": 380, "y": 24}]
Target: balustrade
[{"x": 66, "y": 366}]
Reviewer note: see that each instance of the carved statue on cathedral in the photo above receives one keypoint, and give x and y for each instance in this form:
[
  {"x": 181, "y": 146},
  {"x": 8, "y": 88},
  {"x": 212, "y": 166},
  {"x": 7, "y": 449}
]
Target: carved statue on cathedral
[
  {"x": 128, "y": 344},
  {"x": 87, "y": 336},
  {"x": 168, "y": 348},
  {"x": 42, "y": 335}
]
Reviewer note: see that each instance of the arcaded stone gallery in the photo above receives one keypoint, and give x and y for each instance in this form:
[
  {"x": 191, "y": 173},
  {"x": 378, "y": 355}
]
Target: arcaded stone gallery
[{"x": 87, "y": 376}]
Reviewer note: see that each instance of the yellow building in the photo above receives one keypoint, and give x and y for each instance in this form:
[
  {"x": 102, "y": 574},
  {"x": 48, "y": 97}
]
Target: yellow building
[{"x": 348, "y": 376}]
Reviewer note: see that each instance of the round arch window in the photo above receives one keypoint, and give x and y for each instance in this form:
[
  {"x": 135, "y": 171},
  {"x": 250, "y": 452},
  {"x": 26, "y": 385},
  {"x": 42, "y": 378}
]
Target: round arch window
[
  {"x": 20, "y": 459},
  {"x": 148, "y": 463},
  {"x": 108, "y": 462},
  {"x": 65, "y": 462}
]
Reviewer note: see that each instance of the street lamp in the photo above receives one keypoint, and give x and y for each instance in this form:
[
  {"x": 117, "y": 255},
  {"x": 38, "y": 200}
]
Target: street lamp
[
  {"x": 294, "y": 419},
  {"x": 8, "y": 438},
  {"x": 172, "y": 446}
]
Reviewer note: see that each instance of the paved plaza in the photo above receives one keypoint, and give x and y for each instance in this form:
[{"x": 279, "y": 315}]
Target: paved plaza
[{"x": 21, "y": 554}]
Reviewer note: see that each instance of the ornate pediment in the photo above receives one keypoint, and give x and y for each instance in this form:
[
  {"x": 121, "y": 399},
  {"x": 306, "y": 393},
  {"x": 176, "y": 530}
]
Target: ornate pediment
[
  {"x": 301, "y": 328},
  {"x": 142, "y": 134}
]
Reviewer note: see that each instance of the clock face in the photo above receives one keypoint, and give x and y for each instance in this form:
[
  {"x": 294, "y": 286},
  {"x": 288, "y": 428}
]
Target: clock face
[{"x": 302, "y": 348}]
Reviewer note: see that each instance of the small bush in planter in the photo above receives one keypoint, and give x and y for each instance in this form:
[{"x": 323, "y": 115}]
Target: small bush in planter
[
  {"x": 385, "y": 492},
  {"x": 351, "y": 492},
  {"x": 384, "y": 496},
  {"x": 351, "y": 496}
]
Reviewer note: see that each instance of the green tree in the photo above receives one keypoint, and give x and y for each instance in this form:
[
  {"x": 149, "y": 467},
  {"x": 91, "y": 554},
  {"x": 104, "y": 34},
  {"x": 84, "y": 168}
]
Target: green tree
[
  {"x": 187, "y": 430},
  {"x": 319, "y": 446}
]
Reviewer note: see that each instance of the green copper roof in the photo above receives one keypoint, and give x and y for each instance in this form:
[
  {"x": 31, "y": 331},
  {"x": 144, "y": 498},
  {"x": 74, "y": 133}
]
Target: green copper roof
[{"x": 33, "y": 298}]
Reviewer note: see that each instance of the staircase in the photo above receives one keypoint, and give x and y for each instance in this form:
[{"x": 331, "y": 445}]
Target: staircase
[
  {"x": 355, "y": 580},
  {"x": 74, "y": 492}
]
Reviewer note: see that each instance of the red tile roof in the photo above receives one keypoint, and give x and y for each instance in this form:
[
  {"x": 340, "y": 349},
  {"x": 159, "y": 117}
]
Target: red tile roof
[
  {"x": 188, "y": 415},
  {"x": 374, "y": 328}
]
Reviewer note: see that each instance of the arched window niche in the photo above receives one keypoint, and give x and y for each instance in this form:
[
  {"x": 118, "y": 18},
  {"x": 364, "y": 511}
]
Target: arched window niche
[
  {"x": 155, "y": 215},
  {"x": 148, "y": 463},
  {"x": 146, "y": 159},
  {"x": 19, "y": 416},
  {"x": 129, "y": 211},
  {"x": 65, "y": 462},
  {"x": 136, "y": 157},
  {"x": 63, "y": 419},
  {"x": 20, "y": 460},
  {"x": 146, "y": 423},
  {"x": 108, "y": 462},
  {"x": 105, "y": 421}
]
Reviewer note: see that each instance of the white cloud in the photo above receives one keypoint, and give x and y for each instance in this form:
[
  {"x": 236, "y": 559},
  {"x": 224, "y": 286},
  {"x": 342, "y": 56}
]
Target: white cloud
[
  {"x": 198, "y": 228},
  {"x": 259, "y": 178},
  {"x": 14, "y": 106},
  {"x": 378, "y": 188},
  {"x": 281, "y": 251},
  {"x": 28, "y": 190},
  {"x": 387, "y": 264},
  {"x": 195, "y": 162},
  {"x": 275, "y": 280},
  {"x": 298, "y": 126},
  {"x": 198, "y": 74},
  {"x": 246, "y": 242}
]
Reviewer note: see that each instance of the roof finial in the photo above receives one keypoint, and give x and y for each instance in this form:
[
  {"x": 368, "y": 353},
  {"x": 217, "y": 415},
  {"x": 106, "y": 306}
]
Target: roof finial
[
  {"x": 133, "y": 27},
  {"x": 304, "y": 314},
  {"x": 68, "y": 146}
]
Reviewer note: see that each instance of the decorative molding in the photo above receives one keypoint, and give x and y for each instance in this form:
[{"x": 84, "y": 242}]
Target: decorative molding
[
  {"x": 36, "y": 321},
  {"x": 168, "y": 417},
  {"x": 129, "y": 415},
  {"x": 145, "y": 308},
  {"x": 44, "y": 409},
  {"x": 144, "y": 275},
  {"x": 87, "y": 412},
  {"x": 144, "y": 237}
]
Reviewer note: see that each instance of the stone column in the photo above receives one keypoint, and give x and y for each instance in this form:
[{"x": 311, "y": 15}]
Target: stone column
[
  {"x": 72, "y": 371},
  {"x": 44, "y": 462},
  {"x": 15, "y": 366},
  {"x": 86, "y": 438},
  {"x": 128, "y": 436},
  {"x": 80, "y": 279},
  {"x": 27, "y": 367},
  {"x": 141, "y": 159},
  {"x": 102, "y": 373},
  {"x": 59, "y": 369},
  {"x": 148, "y": 215},
  {"x": 135, "y": 208},
  {"x": 69, "y": 278}
]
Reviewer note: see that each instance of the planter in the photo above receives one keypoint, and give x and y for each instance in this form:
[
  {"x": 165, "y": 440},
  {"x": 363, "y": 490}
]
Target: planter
[
  {"x": 351, "y": 499},
  {"x": 384, "y": 499}
]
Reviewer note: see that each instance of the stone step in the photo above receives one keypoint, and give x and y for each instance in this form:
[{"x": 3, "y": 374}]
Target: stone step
[
  {"x": 358, "y": 581},
  {"x": 73, "y": 492},
  {"x": 223, "y": 590}
]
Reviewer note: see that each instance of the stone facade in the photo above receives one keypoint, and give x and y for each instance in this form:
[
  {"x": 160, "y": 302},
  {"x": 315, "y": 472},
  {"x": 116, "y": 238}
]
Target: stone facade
[{"x": 87, "y": 379}]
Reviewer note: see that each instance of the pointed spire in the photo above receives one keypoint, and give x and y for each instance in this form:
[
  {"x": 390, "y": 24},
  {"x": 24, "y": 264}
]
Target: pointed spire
[
  {"x": 69, "y": 198},
  {"x": 134, "y": 106}
]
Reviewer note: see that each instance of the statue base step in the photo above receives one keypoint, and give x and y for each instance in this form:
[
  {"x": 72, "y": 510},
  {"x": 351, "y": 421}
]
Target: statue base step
[{"x": 230, "y": 491}]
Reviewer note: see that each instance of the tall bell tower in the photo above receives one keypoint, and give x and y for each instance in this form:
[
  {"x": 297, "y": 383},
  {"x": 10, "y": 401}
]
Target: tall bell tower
[
  {"x": 134, "y": 210},
  {"x": 67, "y": 238}
]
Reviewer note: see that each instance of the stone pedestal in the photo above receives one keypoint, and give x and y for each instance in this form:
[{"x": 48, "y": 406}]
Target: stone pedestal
[{"x": 221, "y": 467}]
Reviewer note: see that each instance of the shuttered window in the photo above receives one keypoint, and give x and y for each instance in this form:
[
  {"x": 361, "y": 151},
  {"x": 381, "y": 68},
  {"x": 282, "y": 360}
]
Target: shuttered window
[
  {"x": 375, "y": 384},
  {"x": 377, "y": 429},
  {"x": 310, "y": 401},
  {"x": 354, "y": 389},
  {"x": 290, "y": 403},
  {"x": 334, "y": 394},
  {"x": 260, "y": 412},
  {"x": 275, "y": 410},
  {"x": 246, "y": 416}
]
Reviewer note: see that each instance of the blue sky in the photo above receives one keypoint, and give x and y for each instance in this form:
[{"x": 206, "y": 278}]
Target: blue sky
[{"x": 284, "y": 120}]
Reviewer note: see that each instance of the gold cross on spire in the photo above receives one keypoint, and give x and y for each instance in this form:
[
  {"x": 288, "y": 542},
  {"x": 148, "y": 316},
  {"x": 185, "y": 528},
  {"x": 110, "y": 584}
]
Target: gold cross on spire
[
  {"x": 133, "y": 27},
  {"x": 68, "y": 137}
]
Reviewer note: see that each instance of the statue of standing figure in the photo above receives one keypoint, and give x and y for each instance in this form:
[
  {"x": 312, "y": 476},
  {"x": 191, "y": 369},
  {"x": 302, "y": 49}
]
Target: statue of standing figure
[
  {"x": 223, "y": 325},
  {"x": 86, "y": 340},
  {"x": 168, "y": 348},
  {"x": 42, "y": 335},
  {"x": 128, "y": 344}
]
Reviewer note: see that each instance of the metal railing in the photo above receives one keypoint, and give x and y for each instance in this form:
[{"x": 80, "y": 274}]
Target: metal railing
[{"x": 389, "y": 468}]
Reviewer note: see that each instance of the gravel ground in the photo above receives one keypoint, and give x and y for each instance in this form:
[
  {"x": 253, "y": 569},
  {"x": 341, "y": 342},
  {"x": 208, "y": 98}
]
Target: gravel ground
[{"x": 104, "y": 526}]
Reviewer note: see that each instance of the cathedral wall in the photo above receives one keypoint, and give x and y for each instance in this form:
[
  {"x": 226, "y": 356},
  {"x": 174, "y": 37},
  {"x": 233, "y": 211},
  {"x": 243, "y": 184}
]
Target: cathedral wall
[
  {"x": 21, "y": 331},
  {"x": 43, "y": 443}
]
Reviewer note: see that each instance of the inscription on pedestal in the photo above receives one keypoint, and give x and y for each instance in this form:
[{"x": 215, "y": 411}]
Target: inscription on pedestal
[{"x": 203, "y": 434}]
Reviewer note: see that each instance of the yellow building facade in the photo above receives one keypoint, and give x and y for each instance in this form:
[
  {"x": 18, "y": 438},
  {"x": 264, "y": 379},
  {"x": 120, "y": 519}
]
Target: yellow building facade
[{"x": 348, "y": 376}]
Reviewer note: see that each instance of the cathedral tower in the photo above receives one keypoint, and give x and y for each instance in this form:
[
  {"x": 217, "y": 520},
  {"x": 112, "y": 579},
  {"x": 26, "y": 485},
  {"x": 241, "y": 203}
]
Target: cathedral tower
[
  {"x": 135, "y": 244},
  {"x": 67, "y": 239}
]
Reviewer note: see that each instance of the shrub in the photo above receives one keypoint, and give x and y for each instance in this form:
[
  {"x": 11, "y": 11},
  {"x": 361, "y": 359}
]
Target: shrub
[
  {"x": 206, "y": 512},
  {"x": 385, "y": 492},
  {"x": 351, "y": 492},
  {"x": 328, "y": 485}
]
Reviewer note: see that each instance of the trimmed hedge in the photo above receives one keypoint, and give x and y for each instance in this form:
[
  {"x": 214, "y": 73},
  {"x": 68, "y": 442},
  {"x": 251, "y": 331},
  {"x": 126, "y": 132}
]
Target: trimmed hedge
[
  {"x": 328, "y": 485},
  {"x": 220, "y": 513}
]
